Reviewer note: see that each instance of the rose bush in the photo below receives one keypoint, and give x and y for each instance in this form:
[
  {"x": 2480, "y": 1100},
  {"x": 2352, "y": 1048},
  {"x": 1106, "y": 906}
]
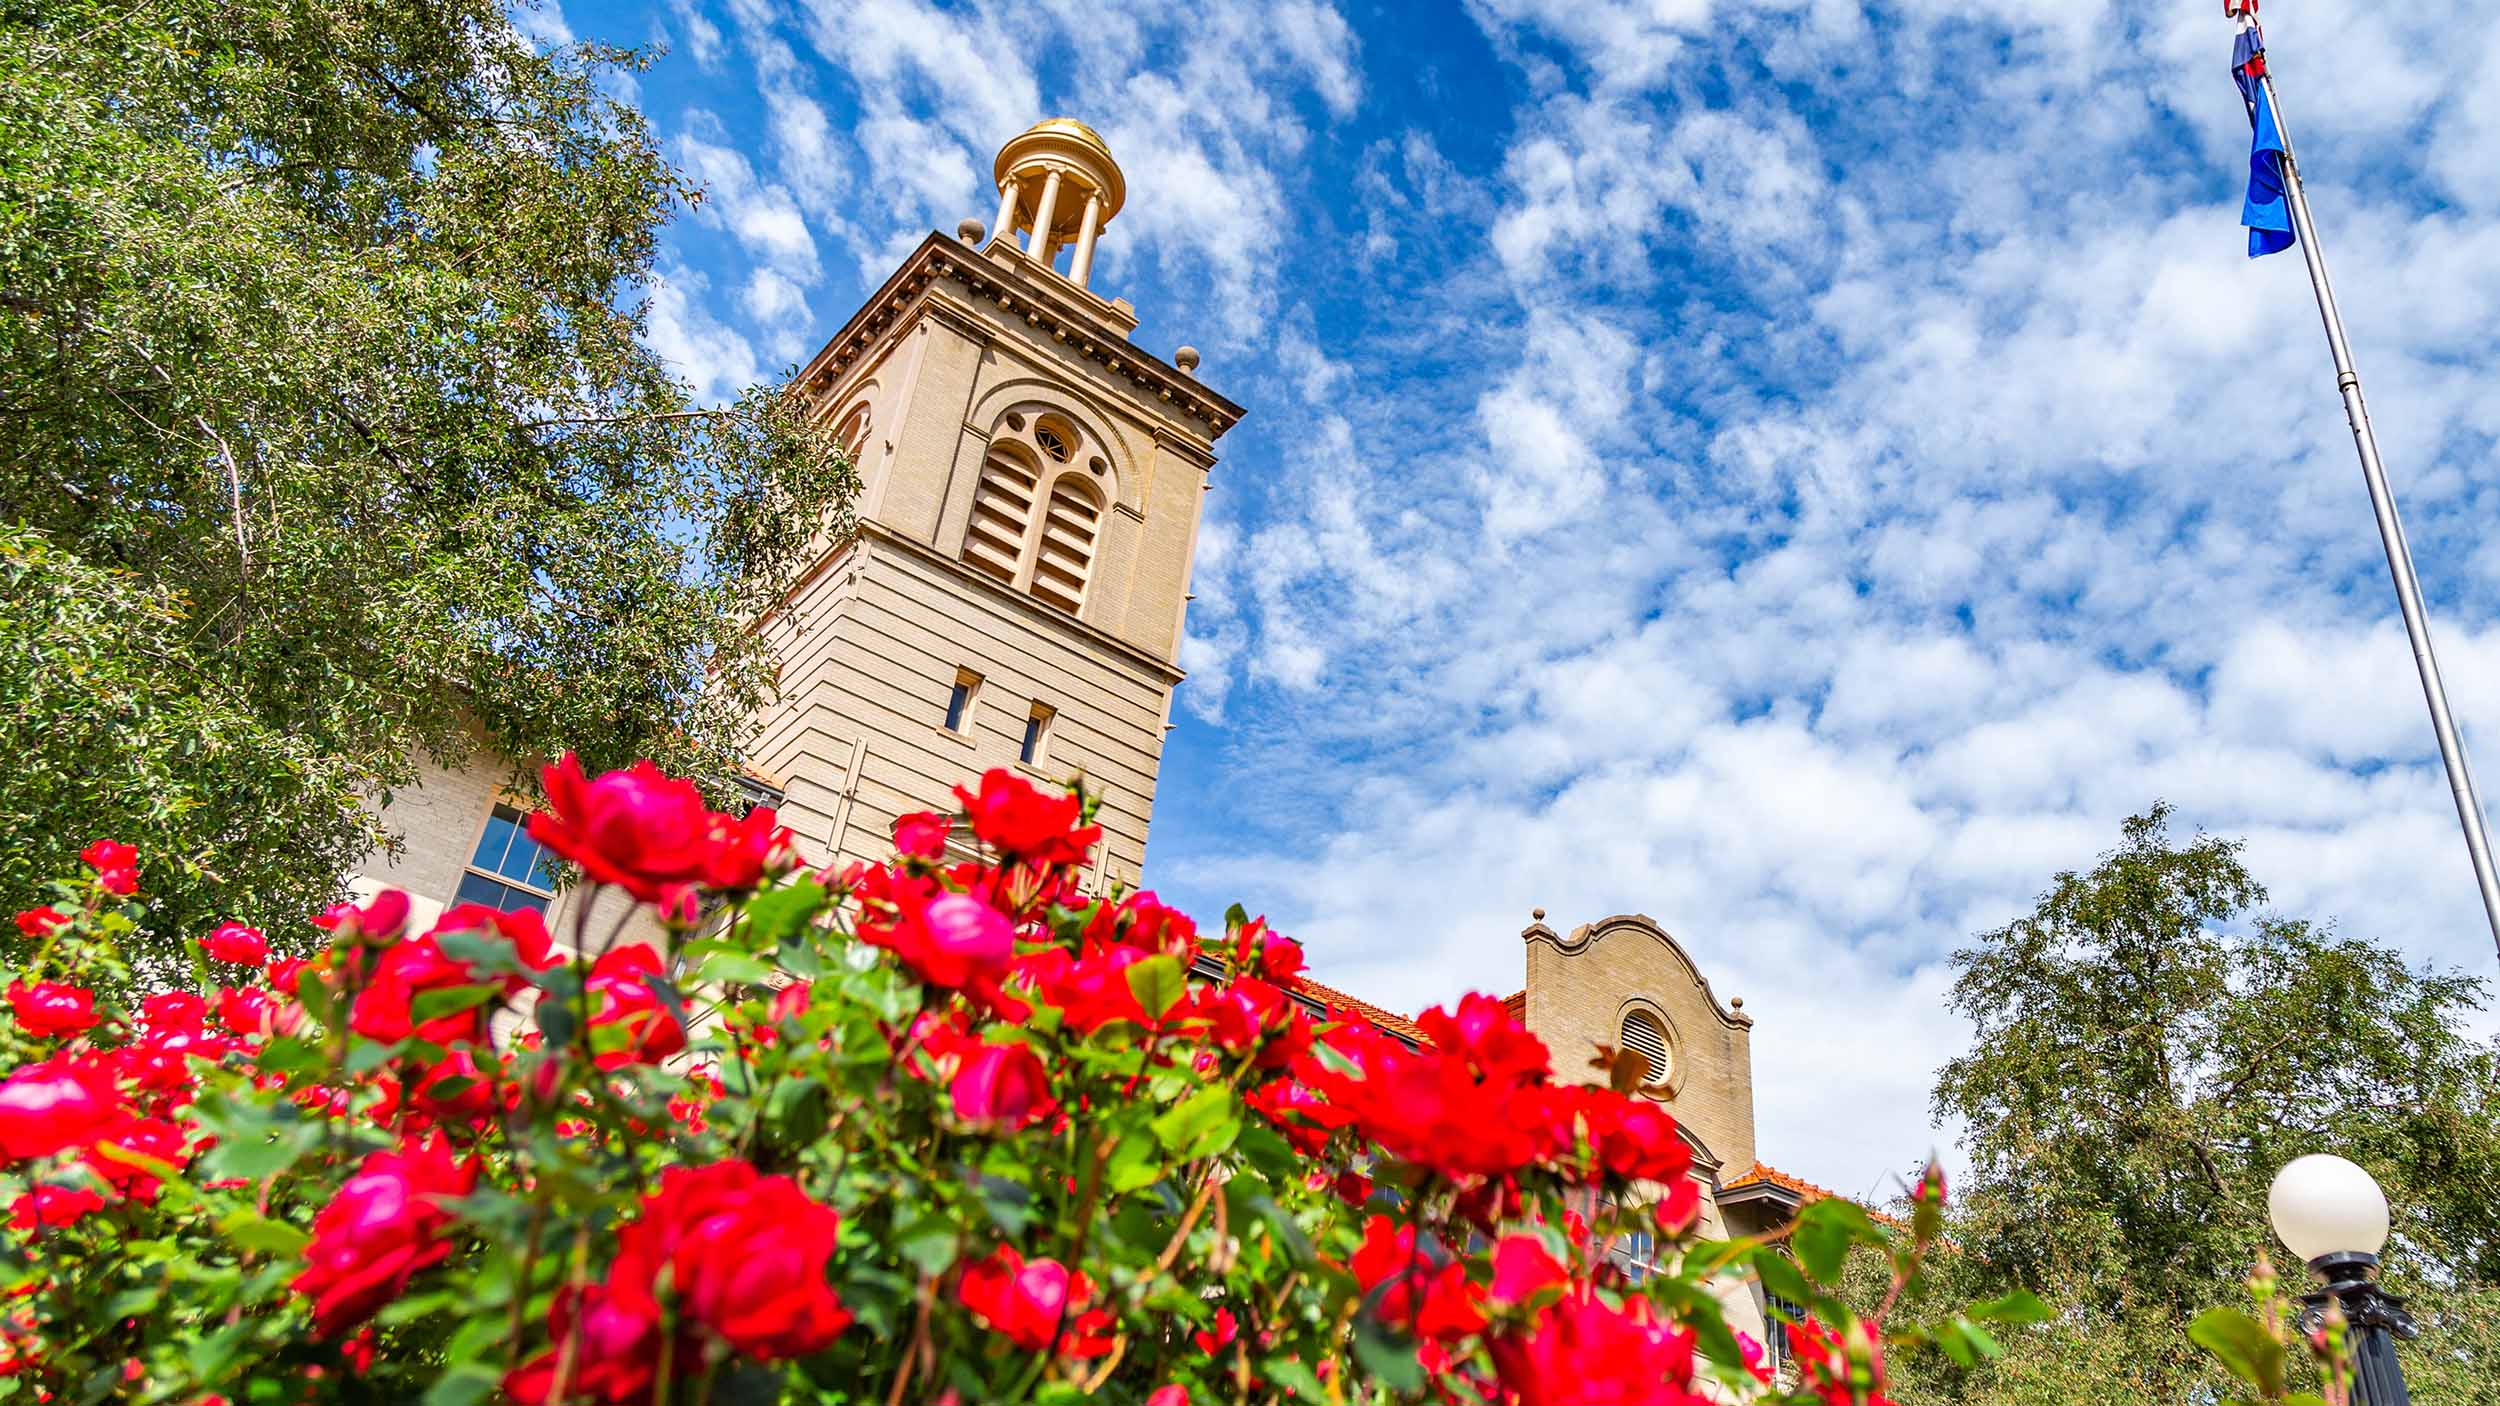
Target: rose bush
[{"x": 928, "y": 1131}]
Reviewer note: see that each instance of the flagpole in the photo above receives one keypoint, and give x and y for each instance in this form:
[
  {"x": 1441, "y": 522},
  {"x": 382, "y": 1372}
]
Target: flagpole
[{"x": 2391, "y": 533}]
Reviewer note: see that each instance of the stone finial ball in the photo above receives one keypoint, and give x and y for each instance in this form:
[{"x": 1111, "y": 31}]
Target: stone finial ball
[
  {"x": 970, "y": 231},
  {"x": 1736, "y": 1003},
  {"x": 1186, "y": 358},
  {"x": 1537, "y": 913}
]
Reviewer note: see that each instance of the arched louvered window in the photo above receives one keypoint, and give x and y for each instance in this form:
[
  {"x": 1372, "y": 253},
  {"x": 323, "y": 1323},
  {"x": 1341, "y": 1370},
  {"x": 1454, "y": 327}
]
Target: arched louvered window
[
  {"x": 1002, "y": 512},
  {"x": 1641, "y": 1031},
  {"x": 1069, "y": 531}
]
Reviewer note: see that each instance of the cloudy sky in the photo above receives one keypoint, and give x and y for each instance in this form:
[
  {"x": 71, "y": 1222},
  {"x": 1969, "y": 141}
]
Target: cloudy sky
[{"x": 1801, "y": 469}]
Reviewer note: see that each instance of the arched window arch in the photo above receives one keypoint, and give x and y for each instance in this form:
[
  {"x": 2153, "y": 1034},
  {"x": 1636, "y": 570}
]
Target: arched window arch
[
  {"x": 853, "y": 436},
  {"x": 1039, "y": 510},
  {"x": 1070, "y": 530},
  {"x": 1646, "y": 1033},
  {"x": 1002, "y": 514}
]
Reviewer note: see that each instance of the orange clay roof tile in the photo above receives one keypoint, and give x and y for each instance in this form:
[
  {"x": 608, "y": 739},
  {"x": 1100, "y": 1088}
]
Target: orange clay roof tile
[{"x": 1339, "y": 1003}]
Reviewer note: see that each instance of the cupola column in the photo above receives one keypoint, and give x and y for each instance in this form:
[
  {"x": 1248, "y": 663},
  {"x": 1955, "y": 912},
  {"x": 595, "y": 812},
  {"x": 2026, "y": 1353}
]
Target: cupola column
[
  {"x": 1082, "y": 266},
  {"x": 1043, "y": 213},
  {"x": 1009, "y": 191}
]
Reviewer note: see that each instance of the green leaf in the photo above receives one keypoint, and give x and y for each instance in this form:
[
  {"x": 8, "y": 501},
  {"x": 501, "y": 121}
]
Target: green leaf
[
  {"x": 797, "y": 1110},
  {"x": 2020, "y": 1306},
  {"x": 1826, "y": 1230},
  {"x": 1294, "y": 1377},
  {"x": 733, "y": 969},
  {"x": 2242, "y": 1346},
  {"x": 1137, "y": 1161},
  {"x": 776, "y": 915},
  {"x": 1387, "y": 1358},
  {"x": 464, "y": 1385},
  {"x": 449, "y": 1000},
  {"x": 250, "y": 1230},
  {"x": 1158, "y": 983},
  {"x": 1781, "y": 1279},
  {"x": 1200, "y": 1125},
  {"x": 246, "y": 1157}
]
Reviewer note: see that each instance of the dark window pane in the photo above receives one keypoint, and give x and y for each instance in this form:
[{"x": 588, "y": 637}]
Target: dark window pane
[
  {"x": 955, "y": 708},
  {"x": 477, "y": 888},
  {"x": 1032, "y": 736},
  {"x": 502, "y": 897},
  {"x": 497, "y": 839}
]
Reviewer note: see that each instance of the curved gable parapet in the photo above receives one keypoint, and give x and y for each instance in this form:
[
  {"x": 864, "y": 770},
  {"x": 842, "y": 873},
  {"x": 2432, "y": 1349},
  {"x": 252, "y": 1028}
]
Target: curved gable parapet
[{"x": 1635, "y": 927}]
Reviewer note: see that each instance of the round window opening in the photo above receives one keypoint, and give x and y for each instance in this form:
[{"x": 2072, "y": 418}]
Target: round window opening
[
  {"x": 1643, "y": 1032},
  {"x": 1055, "y": 439}
]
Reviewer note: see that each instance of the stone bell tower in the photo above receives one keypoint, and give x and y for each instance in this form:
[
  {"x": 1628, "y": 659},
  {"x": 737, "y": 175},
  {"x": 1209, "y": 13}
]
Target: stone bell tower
[{"x": 1031, "y": 483}]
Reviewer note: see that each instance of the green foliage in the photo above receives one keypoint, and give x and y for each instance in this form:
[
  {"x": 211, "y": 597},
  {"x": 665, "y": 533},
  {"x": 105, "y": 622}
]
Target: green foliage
[
  {"x": 2151, "y": 1047},
  {"x": 319, "y": 319},
  {"x": 108, "y": 733}
]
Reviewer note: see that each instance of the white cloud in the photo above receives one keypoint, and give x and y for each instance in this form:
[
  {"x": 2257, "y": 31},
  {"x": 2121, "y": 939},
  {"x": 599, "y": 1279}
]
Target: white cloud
[{"x": 718, "y": 360}]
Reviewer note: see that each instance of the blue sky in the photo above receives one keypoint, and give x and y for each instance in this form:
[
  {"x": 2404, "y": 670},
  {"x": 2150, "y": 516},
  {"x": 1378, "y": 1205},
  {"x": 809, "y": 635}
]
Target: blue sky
[{"x": 1802, "y": 469}]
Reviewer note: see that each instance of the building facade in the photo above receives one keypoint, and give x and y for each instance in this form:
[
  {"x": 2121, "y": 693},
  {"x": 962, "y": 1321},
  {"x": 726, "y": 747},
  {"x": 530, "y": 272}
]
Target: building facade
[{"x": 1014, "y": 596}]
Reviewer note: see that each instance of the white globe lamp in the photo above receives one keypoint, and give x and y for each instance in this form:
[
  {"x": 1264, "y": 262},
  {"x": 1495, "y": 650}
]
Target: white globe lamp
[{"x": 2323, "y": 1205}]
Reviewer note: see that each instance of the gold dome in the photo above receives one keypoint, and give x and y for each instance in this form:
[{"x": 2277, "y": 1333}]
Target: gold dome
[{"x": 1070, "y": 143}]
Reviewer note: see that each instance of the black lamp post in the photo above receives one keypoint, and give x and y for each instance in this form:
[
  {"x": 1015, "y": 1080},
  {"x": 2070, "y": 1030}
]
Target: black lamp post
[{"x": 2330, "y": 1213}]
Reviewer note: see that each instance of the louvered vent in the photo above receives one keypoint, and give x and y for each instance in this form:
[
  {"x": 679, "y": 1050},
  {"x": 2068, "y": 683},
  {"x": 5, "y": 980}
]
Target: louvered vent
[
  {"x": 1641, "y": 1031},
  {"x": 1001, "y": 511},
  {"x": 1067, "y": 546}
]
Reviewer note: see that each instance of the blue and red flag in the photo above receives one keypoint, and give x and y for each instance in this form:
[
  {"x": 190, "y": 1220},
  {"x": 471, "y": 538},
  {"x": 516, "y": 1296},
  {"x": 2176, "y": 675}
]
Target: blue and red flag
[{"x": 2265, "y": 212}]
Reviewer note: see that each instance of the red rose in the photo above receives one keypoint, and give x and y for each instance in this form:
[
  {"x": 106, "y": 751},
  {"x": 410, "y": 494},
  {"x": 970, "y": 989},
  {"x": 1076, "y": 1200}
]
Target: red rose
[
  {"x": 384, "y": 1224},
  {"x": 457, "y": 1090},
  {"x": 109, "y": 854},
  {"x": 753, "y": 1273},
  {"x": 57, "y": 1104},
  {"x": 1841, "y": 1370},
  {"x": 1030, "y": 1302},
  {"x": 524, "y": 928},
  {"x": 922, "y": 834},
  {"x": 1001, "y": 1087},
  {"x": 129, "y": 1155},
  {"x": 1580, "y": 1352},
  {"x": 747, "y": 852},
  {"x": 379, "y": 920},
  {"x": 639, "y": 828},
  {"x": 233, "y": 942},
  {"x": 121, "y": 883},
  {"x": 1172, "y": 1395},
  {"x": 283, "y": 972},
  {"x": 51, "y": 1207},
  {"x": 613, "y": 1341},
  {"x": 248, "y": 1011},
  {"x": 52, "y": 1008},
  {"x": 38, "y": 923},
  {"x": 1424, "y": 1289},
  {"x": 1522, "y": 1268},
  {"x": 1212, "y": 1340},
  {"x": 947, "y": 939},
  {"x": 1010, "y": 815},
  {"x": 622, "y": 999},
  {"x": 1640, "y": 1143}
]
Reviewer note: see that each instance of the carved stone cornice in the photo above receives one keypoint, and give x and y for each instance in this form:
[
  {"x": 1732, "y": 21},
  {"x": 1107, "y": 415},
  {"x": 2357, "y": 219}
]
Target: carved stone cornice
[{"x": 1050, "y": 305}]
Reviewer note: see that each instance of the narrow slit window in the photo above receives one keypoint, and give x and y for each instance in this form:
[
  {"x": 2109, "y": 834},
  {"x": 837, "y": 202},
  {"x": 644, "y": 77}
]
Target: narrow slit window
[
  {"x": 959, "y": 702},
  {"x": 1036, "y": 734}
]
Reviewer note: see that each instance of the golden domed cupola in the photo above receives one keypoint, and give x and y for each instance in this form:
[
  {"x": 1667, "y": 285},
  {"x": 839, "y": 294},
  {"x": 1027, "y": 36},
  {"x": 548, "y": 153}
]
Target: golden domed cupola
[{"x": 1058, "y": 184}]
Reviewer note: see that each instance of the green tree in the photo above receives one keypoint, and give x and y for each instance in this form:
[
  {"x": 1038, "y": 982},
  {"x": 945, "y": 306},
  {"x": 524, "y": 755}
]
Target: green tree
[
  {"x": 319, "y": 327},
  {"x": 2150, "y": 1048}
]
